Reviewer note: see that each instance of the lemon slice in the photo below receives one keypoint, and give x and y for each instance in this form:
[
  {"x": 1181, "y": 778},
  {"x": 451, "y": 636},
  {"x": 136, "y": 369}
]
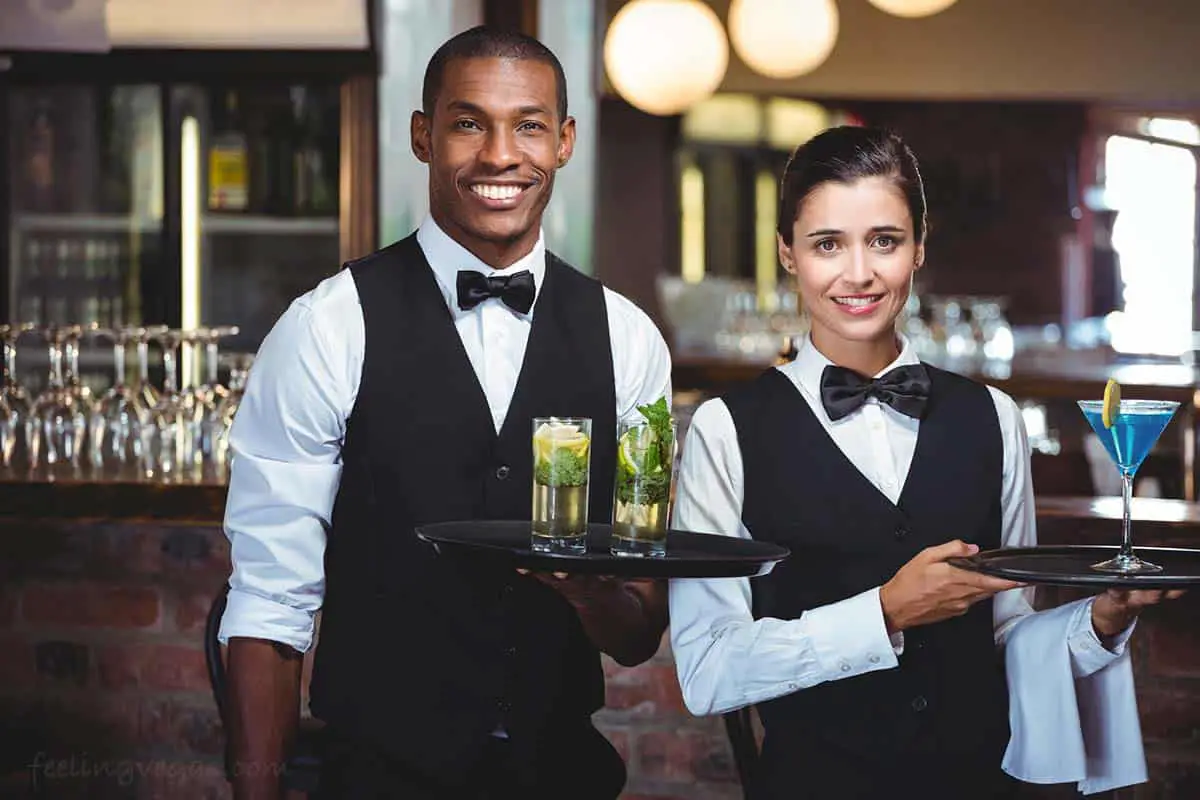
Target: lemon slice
[
  {"x": 1112, "y": 403},
  {"x": 551, "y": 436}
]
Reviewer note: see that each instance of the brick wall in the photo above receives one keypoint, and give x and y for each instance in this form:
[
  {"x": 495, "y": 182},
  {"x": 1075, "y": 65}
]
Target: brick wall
[{"x": 103, "y": 692}]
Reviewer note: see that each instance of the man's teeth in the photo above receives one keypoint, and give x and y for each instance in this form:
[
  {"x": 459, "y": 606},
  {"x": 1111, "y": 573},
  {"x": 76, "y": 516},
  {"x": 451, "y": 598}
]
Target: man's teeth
[
  {"x": 857, "y": 301},
  {"x": 496, "y": 192}
]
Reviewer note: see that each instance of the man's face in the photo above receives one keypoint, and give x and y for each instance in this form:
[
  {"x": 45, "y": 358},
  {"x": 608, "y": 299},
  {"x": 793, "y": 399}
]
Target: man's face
[{"x": 493, "y": 142}]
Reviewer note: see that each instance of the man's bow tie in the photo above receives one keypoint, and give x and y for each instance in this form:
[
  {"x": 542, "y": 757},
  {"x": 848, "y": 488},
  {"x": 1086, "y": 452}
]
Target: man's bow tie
[
  {"x": 905, "y": 388},
  {"x": 516, "y": 290}
]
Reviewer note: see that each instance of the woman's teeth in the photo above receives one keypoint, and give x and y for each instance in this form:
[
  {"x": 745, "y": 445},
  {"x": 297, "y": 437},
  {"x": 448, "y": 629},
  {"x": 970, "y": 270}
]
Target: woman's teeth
[{"x": 858, "y": 301}]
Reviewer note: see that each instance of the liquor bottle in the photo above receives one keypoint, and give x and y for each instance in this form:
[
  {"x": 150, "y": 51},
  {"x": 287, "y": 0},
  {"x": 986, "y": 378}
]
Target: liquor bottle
[
  {"x": 41, "y": 166},
  {"x": 228, "y": 167},
  {"x": 314, "y": 193},
  {"x": 32, "y": 283}
]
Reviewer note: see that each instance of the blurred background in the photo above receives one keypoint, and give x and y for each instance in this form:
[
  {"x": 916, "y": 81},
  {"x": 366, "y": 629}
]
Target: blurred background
[{"x": 175, "y": 173}]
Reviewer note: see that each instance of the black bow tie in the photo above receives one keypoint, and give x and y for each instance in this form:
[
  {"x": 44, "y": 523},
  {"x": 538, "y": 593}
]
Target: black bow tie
[
  {"x": 516, "y": 290},
  {"x": 905, "y": 388}
]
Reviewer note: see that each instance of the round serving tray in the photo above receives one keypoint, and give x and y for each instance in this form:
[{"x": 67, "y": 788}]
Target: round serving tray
[
  {"x": 1071, "y": 565},
  {"x": 689, "y": 555}
]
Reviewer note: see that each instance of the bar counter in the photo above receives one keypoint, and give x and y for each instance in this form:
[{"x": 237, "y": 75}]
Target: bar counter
[{"x": 104, "y": 590}]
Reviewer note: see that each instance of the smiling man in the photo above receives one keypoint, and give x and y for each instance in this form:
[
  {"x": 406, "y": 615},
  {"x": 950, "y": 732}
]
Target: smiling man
[{"x": 400, "y": 392}]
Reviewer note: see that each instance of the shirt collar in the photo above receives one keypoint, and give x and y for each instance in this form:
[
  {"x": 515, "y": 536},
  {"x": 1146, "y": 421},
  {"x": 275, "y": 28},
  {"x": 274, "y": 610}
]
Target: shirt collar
[
  {"x": 810, "y": 363},
  {"x": 446, "y": 257}
]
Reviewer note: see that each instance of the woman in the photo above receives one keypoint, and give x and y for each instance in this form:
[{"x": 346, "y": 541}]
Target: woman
[{"x": 873, "y": 663}]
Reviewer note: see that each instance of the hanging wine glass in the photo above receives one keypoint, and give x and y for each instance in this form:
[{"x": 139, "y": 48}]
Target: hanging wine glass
[
  {"x": 146, "y": 391},
  {"x": 58, "y": 423},
  {"x": 118, "y": 419},
  {"x": 207, "y": 399},
  {"x": 167, "y": 451},
  {"x": 14, "y": 450},
  {"x": 220, "y": 424}
]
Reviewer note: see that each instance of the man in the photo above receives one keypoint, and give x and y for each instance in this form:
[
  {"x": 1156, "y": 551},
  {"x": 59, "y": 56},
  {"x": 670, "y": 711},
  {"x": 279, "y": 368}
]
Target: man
[{"x": 401, "y": 392}]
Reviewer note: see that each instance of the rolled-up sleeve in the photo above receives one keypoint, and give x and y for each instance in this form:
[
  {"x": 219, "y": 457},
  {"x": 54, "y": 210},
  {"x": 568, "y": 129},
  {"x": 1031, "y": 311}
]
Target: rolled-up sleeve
[{"x": 286, "y": 467}]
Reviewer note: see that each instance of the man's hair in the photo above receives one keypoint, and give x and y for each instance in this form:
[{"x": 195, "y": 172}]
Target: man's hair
[{"x": 488, "y": 42}]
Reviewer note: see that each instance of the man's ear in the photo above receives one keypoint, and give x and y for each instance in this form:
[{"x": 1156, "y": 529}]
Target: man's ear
[
  {"x": 566, "y": 141},
  {"x": 419, "y": 133}
]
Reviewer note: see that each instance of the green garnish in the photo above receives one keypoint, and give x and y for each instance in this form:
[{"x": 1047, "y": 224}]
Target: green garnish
[{"x": 565, "y": 467}]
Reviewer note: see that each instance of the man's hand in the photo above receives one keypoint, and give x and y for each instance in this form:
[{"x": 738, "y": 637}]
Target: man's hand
[
  {"x": 928, "y": 590},
  {"x": 624, "y": 618},
  {"x": 1116, "y": 609}
]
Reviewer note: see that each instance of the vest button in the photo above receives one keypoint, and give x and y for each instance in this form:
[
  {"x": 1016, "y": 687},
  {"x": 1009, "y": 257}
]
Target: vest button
[
  {"x": 901, "y": 532},
  {"x": 502, "y": 472},
  {"x": 504, "y": 706},
  {"x": 919, "y": 703},
  {"x": 510, "y": 651}
]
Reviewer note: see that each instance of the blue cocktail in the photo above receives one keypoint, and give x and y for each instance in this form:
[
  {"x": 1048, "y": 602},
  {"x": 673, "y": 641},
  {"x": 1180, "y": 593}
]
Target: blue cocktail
[{"x": 1135, "y": 427}]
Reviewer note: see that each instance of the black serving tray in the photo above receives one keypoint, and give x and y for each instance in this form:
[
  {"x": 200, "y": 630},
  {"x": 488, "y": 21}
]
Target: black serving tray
[
  {"x": 1071, "y": 565},
  {"x": 689, "y": 555}
]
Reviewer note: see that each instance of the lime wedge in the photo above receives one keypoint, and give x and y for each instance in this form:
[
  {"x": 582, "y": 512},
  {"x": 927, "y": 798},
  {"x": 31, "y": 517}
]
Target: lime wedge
[{"x": 1112, "y": 403}]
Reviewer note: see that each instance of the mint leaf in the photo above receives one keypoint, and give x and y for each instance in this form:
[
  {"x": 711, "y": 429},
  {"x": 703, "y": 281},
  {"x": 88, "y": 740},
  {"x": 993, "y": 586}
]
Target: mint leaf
[
  {"x": 563, "y": 468},
  {"x": 658, "y": 415}
]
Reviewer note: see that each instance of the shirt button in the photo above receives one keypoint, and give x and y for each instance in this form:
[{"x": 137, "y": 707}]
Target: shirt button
[
  {"x": 874, "y": 659},
  {"x": 792, "y": 686},
  {"x": 901, "y": 532},
  {"x": 502, "y": 472},
  {"x": 919, "y": 703},
  {"x": 845, "y": 666}
]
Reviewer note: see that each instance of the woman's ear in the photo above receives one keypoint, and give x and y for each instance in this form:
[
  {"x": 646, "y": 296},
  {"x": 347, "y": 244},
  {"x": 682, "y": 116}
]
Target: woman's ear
[
  {"x": 919, "y": 260},
  {"x": 785, "y": 255}
]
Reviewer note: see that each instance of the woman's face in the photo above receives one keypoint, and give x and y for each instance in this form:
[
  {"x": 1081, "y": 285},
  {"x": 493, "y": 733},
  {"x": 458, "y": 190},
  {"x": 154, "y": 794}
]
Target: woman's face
[{"x": 853, "y": 254}]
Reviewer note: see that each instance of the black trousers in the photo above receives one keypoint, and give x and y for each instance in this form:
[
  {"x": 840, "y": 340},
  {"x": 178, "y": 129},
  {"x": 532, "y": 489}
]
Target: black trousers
[{"x": 356, "y": 770}]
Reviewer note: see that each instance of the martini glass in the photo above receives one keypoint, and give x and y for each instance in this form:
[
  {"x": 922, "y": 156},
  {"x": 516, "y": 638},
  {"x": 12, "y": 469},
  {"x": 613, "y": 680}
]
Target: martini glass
[{"x": 1137, "y": 427}]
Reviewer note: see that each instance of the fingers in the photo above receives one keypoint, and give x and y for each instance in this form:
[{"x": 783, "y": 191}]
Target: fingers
[
  {"x": 1175, "y": 594},
  {"x": 953, "y": 549}
]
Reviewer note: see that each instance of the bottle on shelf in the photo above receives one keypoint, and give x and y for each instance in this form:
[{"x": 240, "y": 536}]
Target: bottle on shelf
[{"x": 228, "y": 161}]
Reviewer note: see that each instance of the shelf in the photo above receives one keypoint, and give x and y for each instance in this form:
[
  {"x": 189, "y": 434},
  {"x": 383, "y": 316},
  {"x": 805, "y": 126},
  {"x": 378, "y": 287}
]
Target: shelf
[
  {"x": 85, "y": 223},
  {"x": 251, "y": 225}
]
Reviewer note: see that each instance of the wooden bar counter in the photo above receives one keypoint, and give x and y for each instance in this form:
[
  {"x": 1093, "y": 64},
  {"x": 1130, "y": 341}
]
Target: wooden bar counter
[{"x": 104, "y": 590}]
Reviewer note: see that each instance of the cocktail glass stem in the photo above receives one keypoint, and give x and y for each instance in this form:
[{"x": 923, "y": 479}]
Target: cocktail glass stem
[{"x": 1126, "y": 526}]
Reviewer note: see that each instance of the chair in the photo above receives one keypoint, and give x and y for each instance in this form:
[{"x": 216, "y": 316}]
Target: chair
[
  {"x": 739, "y": 726},
  {"x": 303, "y": 766}
]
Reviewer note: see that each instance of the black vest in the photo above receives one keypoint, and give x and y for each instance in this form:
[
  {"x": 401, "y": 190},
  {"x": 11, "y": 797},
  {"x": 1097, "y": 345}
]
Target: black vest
[
  {"x": 424, "y": 656},
  {"x": 944, "y": 709}
]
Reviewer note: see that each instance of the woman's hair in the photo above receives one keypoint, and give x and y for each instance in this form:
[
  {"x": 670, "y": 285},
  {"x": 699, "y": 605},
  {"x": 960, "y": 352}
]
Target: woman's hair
[{"x": 845, "y": 154}]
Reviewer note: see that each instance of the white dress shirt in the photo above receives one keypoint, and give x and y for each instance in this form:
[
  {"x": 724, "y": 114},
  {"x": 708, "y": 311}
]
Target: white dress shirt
[
  {"x": 725, "y": 658},
  {"x": 287, "y": 437}
]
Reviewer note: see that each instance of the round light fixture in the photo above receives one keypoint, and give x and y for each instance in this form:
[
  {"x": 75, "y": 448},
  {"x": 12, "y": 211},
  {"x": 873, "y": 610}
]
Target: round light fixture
[
  {"x": 662, "y": 56},
  {"x": 912, "y": 8},
  {"x": 783, "y": 38}
]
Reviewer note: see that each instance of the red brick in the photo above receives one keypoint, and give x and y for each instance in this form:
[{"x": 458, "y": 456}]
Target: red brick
[
  {"x": 179, "y": 727},
  {"x": 646, "y": 690},
  {"x": 620, "y": 742},
  {"x": 152, "y": 666},
  {"x": 90, "y": 605},
  {"x": 171, "y": 780},
  {"x": 686, "y": 755},
  {"x": 191, "y": 611},
  {"x": 1169, "y": 715},
  {"x": 18, "y": 669}
]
